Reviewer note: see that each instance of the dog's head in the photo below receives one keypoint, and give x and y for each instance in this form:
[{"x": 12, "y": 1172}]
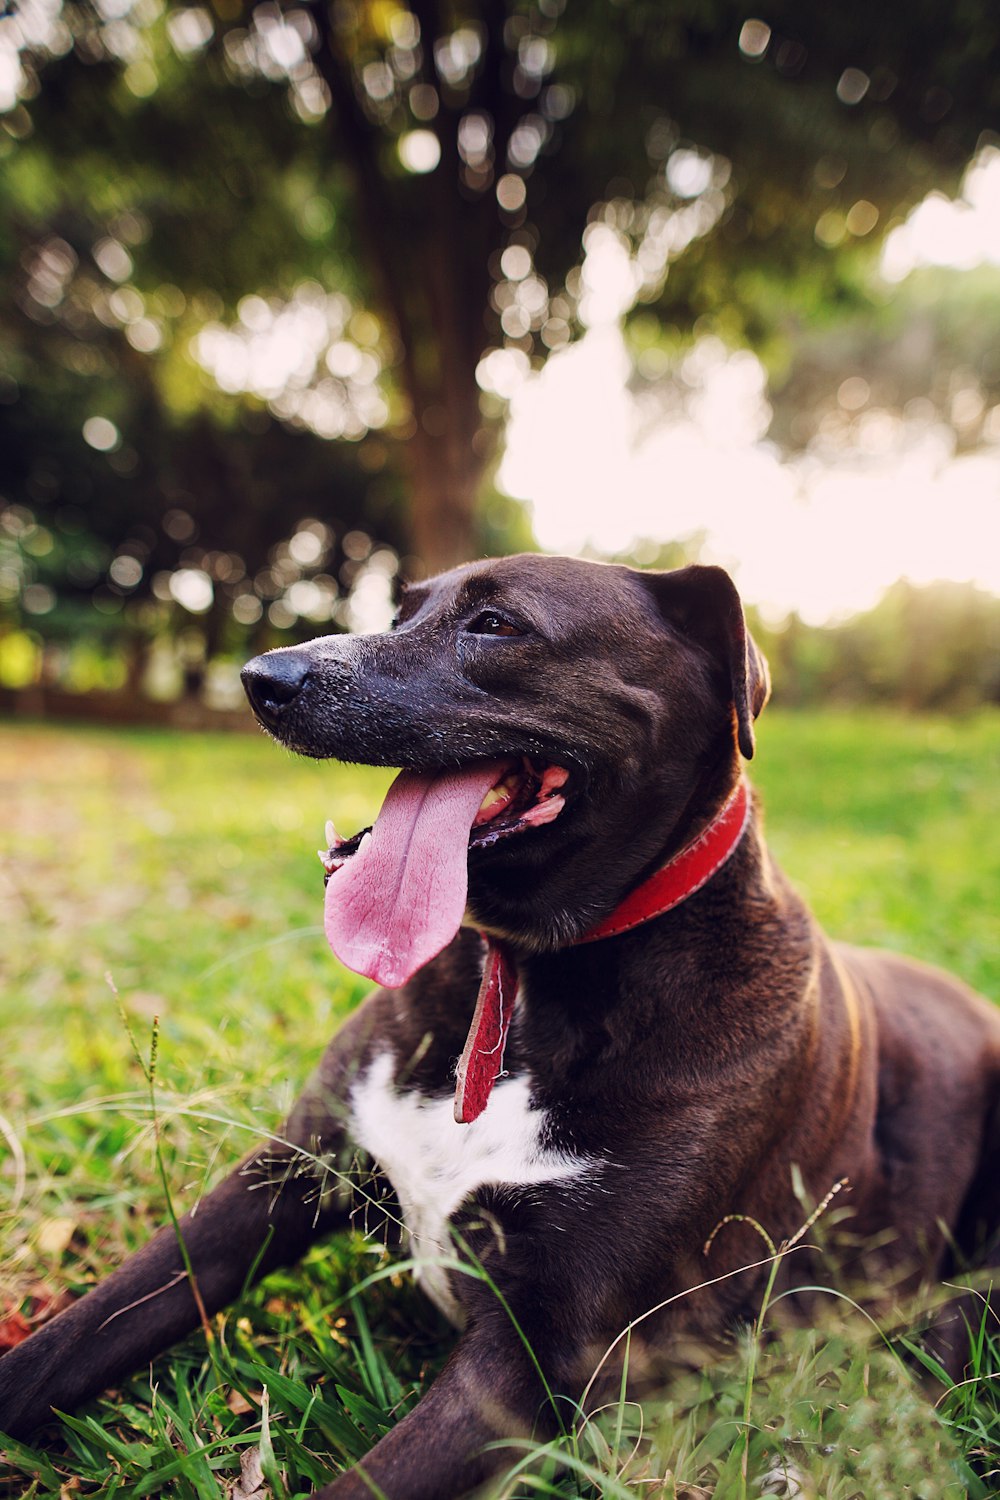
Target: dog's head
[{"x": 605, "y": 707}]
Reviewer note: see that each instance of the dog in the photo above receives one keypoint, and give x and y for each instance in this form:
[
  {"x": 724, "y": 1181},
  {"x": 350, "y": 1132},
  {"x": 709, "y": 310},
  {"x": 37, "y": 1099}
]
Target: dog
[{"x": 606, "y": 1024}]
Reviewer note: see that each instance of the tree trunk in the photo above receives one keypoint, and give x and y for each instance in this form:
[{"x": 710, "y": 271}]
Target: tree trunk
[
  {"x": 429, "y": 247},
  {"x": 444, "y": 476}
]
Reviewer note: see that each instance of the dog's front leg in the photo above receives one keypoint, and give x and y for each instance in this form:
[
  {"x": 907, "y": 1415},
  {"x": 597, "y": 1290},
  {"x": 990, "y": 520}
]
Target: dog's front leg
[
  {"x": 488, "y": 1391},
  {"x": 265, "y": 1214},
  {"x": 149, "y": 1302}
]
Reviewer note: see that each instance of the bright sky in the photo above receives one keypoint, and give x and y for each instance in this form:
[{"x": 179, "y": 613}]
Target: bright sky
[{"x": 820, "y": 535}]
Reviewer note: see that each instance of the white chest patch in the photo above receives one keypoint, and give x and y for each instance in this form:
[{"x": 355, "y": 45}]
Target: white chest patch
[{"x": 434, "y": 1164}]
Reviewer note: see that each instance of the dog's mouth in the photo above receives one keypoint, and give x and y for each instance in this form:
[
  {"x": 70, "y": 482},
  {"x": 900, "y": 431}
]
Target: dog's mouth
[
  {"x": 525, "y": 795},
  {"x": 399, "y": 890}
]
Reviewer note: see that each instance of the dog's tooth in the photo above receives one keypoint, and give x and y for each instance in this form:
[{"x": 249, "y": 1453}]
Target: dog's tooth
[
  {"x": 501, "y": 792},
  {"x": 334, "y": 839}
]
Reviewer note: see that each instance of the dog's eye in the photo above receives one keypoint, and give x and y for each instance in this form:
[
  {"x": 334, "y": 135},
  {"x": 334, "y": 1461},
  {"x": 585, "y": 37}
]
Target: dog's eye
[{"x": 490, "y": 623}]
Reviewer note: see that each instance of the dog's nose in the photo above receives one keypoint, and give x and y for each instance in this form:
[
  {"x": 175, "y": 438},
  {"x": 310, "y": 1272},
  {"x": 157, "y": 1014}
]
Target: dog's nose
[{"x": 273, "y": 681}]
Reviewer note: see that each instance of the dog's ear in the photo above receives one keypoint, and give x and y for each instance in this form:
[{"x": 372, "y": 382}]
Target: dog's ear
[{"x": 703, "y": 604}]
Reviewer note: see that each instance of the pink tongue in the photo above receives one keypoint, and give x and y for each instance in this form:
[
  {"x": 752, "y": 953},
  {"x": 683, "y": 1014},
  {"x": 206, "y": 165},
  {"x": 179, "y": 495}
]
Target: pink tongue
[{"x": 401, "y": 898}]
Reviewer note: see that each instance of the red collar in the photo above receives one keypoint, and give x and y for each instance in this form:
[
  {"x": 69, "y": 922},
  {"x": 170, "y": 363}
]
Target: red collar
[
  {"x": 481, "y": 1063},
  {"x": 688, "y": 870}
]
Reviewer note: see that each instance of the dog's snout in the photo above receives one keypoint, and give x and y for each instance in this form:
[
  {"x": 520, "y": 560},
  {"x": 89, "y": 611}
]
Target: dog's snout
[{"x": 273, "y": 681}]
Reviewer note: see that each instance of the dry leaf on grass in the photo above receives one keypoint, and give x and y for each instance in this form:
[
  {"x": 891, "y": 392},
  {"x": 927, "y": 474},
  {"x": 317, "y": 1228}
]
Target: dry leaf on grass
[
  {"x": 251, "y": 1484},
  {"x": 238, "y": 1404},
  {"x": 14, "y": 1328},
  {"x": 19, "y": 1318},
  {"x": 54, "y": 1235}
]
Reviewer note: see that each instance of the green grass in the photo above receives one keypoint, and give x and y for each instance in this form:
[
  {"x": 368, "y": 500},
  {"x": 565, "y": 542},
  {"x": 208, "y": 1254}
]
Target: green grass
[{"x": 184, "y": 868}]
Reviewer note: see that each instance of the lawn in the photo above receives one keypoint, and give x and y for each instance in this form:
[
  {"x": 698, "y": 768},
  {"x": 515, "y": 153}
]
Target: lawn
[{"x": 181, "y": 870}]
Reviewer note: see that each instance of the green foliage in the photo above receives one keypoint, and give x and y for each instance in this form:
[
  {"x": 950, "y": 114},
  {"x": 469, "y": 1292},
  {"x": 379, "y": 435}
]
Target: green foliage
[
  {"x": 933, "y": 648},
  {"x": 183, "y": 866},
  {"x": 916, "y": 350},
  {"x": 166, "y": 165}
]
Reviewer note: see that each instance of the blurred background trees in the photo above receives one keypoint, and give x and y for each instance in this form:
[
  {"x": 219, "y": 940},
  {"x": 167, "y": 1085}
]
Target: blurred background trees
[{"x": 270, "y": 275}]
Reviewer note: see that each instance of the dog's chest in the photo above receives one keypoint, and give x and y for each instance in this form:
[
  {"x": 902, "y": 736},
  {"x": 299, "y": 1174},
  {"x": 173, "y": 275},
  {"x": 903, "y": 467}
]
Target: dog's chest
[{"x": 435, "y": 1164}]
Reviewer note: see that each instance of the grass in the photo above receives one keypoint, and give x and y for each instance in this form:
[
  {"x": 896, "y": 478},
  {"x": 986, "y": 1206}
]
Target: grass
[{"x": 183, "y": 867}]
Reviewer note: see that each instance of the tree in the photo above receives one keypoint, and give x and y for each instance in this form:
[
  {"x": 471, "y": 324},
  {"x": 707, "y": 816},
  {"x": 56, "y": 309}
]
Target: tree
[
  {"x": 933, "y": 649},
  {"x": 928, "y": 352},
  {"x": 408, "y": 188}
]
